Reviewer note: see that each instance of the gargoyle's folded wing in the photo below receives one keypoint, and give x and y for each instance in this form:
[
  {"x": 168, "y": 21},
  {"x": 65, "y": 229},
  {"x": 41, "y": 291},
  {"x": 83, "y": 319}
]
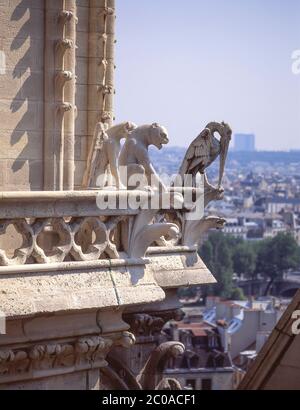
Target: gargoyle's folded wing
[{"x": 196, "y": 150}]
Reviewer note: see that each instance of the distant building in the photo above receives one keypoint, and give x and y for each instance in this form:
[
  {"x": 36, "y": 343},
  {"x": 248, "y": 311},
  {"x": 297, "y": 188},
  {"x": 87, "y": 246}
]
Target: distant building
[
  {"x": 277, "y": 366},
  {"x": 240, "y": 322},
  {"x": 278, "y": 204},
  {"x": 244, "y": 142},
  {"x": 233, "y": 227},
  {"x": 221, "y": 341},
  {"x": 204, "y": 365}
]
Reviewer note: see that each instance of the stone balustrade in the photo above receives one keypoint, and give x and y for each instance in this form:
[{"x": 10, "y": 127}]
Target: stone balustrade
[{"x": 54, "y": 227}]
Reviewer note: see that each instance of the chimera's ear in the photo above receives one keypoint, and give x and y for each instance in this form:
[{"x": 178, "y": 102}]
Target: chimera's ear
[
  {"x": 155, "y": 125},
  {"x": 130, "y": 126}
]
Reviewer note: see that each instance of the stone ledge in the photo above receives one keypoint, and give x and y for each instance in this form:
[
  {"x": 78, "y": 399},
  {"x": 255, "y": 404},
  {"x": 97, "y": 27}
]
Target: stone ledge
[
  {"x": 51, "y": 204},
  {"x": 55, "y": 291},
  {"x": 178, "y": 267}
]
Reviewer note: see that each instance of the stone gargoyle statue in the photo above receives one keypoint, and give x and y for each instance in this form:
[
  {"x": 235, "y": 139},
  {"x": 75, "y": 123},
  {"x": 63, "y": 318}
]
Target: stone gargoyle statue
[
  {"x": 103, "y": 158},
  {"x": 194, "y": 231},
  {"x": 204, "y": 150},
  {"x": 135, "y": 156}
]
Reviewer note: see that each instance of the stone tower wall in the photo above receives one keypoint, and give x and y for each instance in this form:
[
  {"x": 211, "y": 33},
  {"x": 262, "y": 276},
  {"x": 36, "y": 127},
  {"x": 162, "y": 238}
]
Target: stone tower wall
[
  {"x": 21, "y": 94},
  {"x": 34, "y": 127}
]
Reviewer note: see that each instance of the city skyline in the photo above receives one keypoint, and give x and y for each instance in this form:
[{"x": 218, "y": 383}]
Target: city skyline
[{"x": 209, "y": 61}]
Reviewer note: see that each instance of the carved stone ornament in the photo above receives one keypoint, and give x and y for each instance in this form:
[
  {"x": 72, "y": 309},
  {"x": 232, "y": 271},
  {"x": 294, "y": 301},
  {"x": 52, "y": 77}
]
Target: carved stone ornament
[
  {"x": 151, "y": 324},
  {"x": 82, "y": 353},
  {"x": 118, "y": 376},
  {"x": 135, "y": 156},
  {"x": 156, "y": 363},
  {"x": 195, "y": 230},
  {"x": 103, "y": 159},
  {"x": 81, "y": 239},
  {"x": 143, "y": 324},
  {"x": 205, "y": 149},
  {"x": 145, "y": 232}
]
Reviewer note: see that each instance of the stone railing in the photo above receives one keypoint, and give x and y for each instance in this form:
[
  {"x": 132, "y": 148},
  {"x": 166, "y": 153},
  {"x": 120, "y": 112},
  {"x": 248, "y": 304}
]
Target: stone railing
[
  {"x": 69, "y": 227},
  {"x": 58, "y": 245},
  {"x": 56, "y": 227}
]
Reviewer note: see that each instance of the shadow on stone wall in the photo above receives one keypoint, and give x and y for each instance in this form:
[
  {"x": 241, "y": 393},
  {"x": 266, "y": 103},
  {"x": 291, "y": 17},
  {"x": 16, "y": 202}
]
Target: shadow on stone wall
[{"x": 29, "y": 97}]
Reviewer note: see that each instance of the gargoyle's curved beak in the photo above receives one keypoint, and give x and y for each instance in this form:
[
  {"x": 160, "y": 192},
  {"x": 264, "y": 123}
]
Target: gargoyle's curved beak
[{"x": 225, "y": 141}]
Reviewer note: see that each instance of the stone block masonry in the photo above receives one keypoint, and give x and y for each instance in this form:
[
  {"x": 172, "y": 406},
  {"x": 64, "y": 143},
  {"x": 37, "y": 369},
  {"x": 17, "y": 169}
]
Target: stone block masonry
[
  {"x": 30, "y": 135},
  {"x": 21, "y": 94}
]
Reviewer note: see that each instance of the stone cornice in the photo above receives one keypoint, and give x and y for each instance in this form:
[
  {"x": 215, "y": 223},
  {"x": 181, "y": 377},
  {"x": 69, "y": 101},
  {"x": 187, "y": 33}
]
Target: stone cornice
[
  {"x": 178, "y": 267},
  {"x": 58, "y": 291},
  {"x": 56, "y": 204}
]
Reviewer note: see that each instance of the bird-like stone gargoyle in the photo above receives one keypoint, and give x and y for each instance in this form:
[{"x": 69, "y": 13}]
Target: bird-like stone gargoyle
[{"x": 203, "y": 151}]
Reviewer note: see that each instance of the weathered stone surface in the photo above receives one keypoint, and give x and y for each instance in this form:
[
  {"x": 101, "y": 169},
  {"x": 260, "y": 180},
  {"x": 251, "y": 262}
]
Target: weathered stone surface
[
  {"x": 26, "y": 44},
  {"x": 21, "y": 94},
  {"x": 179, "y": 267},
  {"x": 62, "y": 291}
]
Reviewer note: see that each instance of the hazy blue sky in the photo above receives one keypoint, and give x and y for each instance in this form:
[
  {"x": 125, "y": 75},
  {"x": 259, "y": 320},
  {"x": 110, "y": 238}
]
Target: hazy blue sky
[{"x": 185, "y": 63}]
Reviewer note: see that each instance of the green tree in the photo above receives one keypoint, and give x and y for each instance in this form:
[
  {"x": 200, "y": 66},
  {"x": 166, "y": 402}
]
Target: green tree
[
  {"x": 217, "y": 256},
  {"x": 244, "y": 259},
  {"x": 224, "y": 254},
  {"x": 276, "y": 256},
  {"x": 237, "y": 294},
  {"x": 207, "y": 253}
]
